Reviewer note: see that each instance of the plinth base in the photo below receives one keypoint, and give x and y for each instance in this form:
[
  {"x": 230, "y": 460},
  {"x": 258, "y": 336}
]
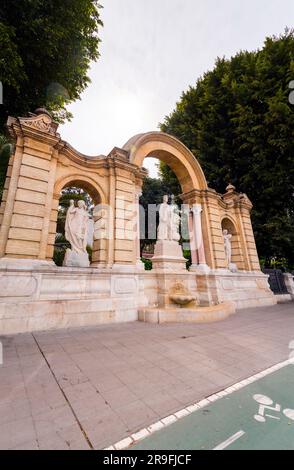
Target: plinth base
[
  {"x": 76, "y": 260},
  {"x": 168, "y": 256}
]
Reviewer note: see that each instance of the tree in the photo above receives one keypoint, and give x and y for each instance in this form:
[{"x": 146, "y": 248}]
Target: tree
[
  {"x": 239, "y": 123},
  {"x": 46, "y": 50}
]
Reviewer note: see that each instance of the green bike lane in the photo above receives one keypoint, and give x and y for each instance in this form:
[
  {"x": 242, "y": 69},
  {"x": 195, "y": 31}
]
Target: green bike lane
[{"x": 259, "y": 416}]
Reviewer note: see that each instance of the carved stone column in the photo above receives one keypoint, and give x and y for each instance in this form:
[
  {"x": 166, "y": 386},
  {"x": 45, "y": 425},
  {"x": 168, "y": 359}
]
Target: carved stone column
[
  {"x": 139, "y": 263},
  {"x": 199, "y": 264},
  {"x": 26, "y": 237}
]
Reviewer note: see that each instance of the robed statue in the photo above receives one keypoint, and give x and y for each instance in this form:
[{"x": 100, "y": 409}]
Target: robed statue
[
  {"x": 164, "y": 216},
  {"x": 169, "y": 221},
  {"x": 76, "y": 233},
  {"x": 228, "y": 247}
]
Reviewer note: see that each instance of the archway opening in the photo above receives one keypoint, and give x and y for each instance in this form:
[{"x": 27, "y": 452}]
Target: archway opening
[
  {"x": 171, "y": 151},
  {"x": 61, "y": 244},
  {"x": 161, "y": 181},
  {"x": 76, "y": 190}
]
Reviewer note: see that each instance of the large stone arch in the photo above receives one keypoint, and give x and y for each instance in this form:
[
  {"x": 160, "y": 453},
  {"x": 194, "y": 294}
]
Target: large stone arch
[
  {"x": 190, "y": 175},
  {"x": 171, "y": 151}
]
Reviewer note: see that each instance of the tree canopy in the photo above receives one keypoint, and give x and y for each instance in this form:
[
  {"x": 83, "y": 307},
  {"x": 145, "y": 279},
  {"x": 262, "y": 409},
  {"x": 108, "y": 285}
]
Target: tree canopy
[
  {"x": 46, "y": 50},
  {"x": 239, "y": 123}
]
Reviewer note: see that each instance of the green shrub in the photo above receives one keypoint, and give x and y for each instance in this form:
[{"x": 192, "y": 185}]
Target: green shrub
[{"x": 147, "y": 264}]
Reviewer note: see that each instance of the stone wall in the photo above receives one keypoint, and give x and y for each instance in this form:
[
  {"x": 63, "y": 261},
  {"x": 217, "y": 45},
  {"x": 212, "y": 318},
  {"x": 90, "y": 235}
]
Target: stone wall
[{"x": 66, "y": 297}]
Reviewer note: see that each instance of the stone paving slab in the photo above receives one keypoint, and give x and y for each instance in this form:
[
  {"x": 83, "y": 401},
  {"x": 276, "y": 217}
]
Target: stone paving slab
[{"x": 90, "y": 387}]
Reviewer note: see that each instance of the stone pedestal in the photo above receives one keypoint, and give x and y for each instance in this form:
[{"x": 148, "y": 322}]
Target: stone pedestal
[
  {"x": 233, "y": 268},
  {"x": 289, "y": 281},
  {"x": 168, "y": 256},
  {"x": 201, "y": 269},
  {"x": 76, "y": 260}
]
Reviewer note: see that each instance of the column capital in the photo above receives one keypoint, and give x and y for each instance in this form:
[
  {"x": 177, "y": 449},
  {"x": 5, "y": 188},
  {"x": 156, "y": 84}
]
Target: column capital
[{"x": 196, "y": 209}]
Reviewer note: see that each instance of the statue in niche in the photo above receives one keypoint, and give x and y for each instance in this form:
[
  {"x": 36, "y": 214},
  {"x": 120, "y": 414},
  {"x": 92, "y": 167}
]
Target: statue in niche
[
  {"x": 175, "y": 220},
  {"x": 228, "y": 246},
  {"x": 164, "y": 220},
  {"x": 169, "y": 221},
  {"x": 228, "y": 251},
  {"x": 76, "y": 233}
]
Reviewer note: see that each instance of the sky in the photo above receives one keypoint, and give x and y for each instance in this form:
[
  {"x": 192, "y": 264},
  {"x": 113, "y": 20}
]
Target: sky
[{"x": 152, "y": 51}]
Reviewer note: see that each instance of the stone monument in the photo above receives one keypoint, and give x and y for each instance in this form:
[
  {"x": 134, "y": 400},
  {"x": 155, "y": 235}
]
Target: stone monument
[
  {"x": 35, "y": 294},
  {"x": 76, "y": 233},
  {"x": 228, "y": 251},
  {"x": 168, "y": 253}
]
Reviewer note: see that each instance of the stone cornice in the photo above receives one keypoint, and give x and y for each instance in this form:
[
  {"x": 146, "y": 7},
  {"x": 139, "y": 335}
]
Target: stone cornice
[{"x": 226, "y": 201}]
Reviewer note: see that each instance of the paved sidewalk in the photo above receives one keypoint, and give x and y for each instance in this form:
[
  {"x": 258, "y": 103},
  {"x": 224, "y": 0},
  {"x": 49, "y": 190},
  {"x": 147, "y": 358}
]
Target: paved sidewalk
[{"x": 90, "y": 387}]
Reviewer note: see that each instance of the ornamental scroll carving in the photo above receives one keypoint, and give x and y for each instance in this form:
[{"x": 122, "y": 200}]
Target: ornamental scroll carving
[{"x": 42, "y": 123}]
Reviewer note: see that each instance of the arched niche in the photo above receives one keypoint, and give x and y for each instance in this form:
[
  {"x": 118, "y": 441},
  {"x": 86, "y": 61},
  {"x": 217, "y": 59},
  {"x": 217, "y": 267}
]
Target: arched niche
[
  {"x": 90, "y": 186},
  {"x": 237, "y": 254}
]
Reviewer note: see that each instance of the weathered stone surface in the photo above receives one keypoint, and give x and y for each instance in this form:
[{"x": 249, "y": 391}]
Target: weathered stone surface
[{"x": 37, "y": 295}]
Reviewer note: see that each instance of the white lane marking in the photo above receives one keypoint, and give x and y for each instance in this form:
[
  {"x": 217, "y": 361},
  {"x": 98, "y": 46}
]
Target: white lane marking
[{"x": 230, "y": 441}]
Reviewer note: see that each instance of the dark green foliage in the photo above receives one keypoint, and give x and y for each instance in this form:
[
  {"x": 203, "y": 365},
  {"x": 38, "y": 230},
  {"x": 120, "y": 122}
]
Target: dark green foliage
[
  {"x": 239, "y": 123},
  {"x": 147, "y": 264},
  {"x": 58, "y": 255},
  {"x": 45, "y": 53},
  {"x": 5, "y": 152},
  {"x": 169, "y": 179},
  {"x": 187, "y": 255}
]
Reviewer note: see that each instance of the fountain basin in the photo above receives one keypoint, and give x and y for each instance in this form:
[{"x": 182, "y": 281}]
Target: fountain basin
[
  {"x": 198, "y": 314},
  {"x": 182, "y": 299}
]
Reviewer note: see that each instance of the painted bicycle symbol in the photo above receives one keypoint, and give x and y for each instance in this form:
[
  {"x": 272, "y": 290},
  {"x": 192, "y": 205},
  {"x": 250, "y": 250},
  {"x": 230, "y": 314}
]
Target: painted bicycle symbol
[{"x": 266, "y": 404}]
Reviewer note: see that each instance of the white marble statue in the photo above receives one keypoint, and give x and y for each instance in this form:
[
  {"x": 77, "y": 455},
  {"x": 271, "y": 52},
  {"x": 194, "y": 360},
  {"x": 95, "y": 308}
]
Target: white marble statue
[
  {"x": 76, "y": 233},
  {"x": 164, "y": 220},
  {"x": 169, "y": 221},
  {"x": 228, "y": 246},
  {"x": 174, "y": 222}
]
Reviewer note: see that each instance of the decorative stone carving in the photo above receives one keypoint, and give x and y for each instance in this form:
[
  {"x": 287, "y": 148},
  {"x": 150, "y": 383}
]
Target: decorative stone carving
[
  {"x": 180, "y": 295},
  {"x": 76, "y": 233},
  {"x": 230, "y": 188},
  {"x": 41, "y": 121}
]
